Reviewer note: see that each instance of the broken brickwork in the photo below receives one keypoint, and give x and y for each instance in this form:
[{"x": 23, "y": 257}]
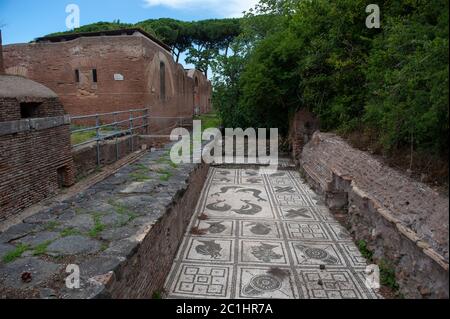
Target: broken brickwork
[{"x": 404, "y": 222}]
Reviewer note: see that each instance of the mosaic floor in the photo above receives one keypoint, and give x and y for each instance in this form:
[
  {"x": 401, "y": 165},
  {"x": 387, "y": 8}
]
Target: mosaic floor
[{"x": 265, "y": 236}]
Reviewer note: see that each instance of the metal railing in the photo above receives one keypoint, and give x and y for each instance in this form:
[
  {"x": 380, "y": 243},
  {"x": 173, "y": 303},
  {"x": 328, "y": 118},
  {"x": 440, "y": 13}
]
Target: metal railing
[{"x": 123, "y": 123}]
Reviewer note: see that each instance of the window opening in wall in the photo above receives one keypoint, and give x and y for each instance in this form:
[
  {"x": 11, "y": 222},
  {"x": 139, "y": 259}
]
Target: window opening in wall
[
  {"x": 29, "y": 110},
  {"x": 77, "y": 76},
  {"x": 162, "y": 78},
  {"x": 94, "y": 75}
]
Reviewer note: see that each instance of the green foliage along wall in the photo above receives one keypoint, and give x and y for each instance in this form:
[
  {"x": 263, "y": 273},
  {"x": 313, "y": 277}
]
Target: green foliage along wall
[{"x": 320, "y": 55}]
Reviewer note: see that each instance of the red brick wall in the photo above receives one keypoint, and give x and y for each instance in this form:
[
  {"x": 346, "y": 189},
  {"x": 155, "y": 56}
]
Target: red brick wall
[
  {"x": 136, "y": 58},
  {"x": 302, "y": 127},
  {"x": 202, "y": 91},
  {"x": 10, "y": 110},
  {"x": 29, "y": 161}
]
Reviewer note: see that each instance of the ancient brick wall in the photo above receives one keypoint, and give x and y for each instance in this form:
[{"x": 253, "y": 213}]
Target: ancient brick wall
[
  {"x": 202, "y": 92},
  {"x": 49, "y": 107},
  {"x": 302, "y": 127},
  {"x": 55, "y": 65},
  {"x": 127, "y": 70},
  {"x": 29, "y": 163},
  {"x": 85, "y": 157},
  {"x": 404, "y": 222}
]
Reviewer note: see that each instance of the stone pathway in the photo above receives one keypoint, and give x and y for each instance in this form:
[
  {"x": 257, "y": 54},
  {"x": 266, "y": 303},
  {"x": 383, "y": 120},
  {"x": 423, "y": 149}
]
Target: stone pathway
[
  {"x": 97, "y": 229},
  {"x": 265, "y": 236}
]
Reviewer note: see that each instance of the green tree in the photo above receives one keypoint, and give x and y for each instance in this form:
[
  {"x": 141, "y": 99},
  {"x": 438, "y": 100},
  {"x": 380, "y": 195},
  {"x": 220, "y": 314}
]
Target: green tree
[{"x": 407, "y": 78}]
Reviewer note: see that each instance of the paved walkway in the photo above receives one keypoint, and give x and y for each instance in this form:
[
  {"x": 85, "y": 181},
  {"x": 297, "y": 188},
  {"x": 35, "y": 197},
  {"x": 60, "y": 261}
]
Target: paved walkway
[{"x": 265, "y": 236}]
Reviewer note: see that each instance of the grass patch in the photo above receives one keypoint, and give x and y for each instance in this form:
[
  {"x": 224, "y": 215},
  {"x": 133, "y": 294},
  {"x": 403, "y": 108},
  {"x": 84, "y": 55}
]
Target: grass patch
[
  {"x": 127, "y": 215},
  {"x": 165, "y": 175},
  {"x": 81, "y": 137},
  {"x": 387, "y": 275},
  {"x": 365, "y": 252},
  {"x": 69, "y": 232},
  {"x": 140, "y": 175},
  {"x": 157, "y": 295},
  {"x": 51, "y": 226},
  {"x": 387, "y": 272},
  {"x": 168, "y": 161},
  {"x": 211, "y": 120},
  {"x": 142, "y": 167},
  {"x": 16, "y": 253},
  {"x": 41, "y": 249},
  {"x": 98, "y": 226}
]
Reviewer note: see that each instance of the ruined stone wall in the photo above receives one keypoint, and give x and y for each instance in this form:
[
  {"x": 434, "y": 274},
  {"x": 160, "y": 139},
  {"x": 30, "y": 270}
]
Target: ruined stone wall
[
  {"x": 301, "y": 129},
  {"x": 404, "y": 222},
  {"x": 31, "y": 152},
  {"x": 128, "y": 76},
  {"x": 85, "y": 157}
]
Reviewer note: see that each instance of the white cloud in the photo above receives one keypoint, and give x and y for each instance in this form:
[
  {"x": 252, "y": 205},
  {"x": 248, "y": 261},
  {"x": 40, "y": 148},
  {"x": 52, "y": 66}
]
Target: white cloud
[{"x": 226, "y": 8}]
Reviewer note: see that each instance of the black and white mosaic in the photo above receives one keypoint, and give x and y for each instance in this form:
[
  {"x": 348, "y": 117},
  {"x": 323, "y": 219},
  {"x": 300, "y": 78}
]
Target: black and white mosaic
[{"x": 265, "y": 236}]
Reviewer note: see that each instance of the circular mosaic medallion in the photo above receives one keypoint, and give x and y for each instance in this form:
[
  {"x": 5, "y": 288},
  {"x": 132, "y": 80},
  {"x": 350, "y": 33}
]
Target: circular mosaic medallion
[
  {"x": 266, "y": 283},
  {"x": 316, "y": 253}
]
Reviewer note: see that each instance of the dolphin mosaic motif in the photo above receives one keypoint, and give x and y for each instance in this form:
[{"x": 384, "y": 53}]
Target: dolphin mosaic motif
[
  {"x": 279, "y": 174},
  {"x": 251, "y": 173},
  {"x": 248, "y": 209},
  {"x": 254, "y": 180},
  {"x": 215, "y": 206},
  {"x": 224, "y": 190},
  {"x": 255, "y": 192}
]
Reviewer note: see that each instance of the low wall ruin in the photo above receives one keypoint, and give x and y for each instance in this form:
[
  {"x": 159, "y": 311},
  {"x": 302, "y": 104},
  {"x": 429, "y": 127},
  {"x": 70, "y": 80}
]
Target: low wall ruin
[
  {"x": 403, "y": 222},
  {"x": 85, "y": 157}
]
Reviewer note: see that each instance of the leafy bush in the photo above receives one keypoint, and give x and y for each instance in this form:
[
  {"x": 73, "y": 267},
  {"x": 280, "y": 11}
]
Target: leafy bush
[{"x": 392, "y": 81}]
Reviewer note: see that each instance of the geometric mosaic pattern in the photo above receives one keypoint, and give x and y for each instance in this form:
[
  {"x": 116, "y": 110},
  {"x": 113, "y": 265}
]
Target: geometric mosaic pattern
[{"x": 265, "y": 236}]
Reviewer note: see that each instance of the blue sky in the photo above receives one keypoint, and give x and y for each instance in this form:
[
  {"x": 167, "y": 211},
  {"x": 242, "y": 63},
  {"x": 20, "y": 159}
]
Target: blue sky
[{"x": 25, "y": 20}]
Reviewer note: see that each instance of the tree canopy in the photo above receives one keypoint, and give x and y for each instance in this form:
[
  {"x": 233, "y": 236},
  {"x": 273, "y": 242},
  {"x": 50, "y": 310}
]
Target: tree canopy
[{"x": 320, "y": 55}]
